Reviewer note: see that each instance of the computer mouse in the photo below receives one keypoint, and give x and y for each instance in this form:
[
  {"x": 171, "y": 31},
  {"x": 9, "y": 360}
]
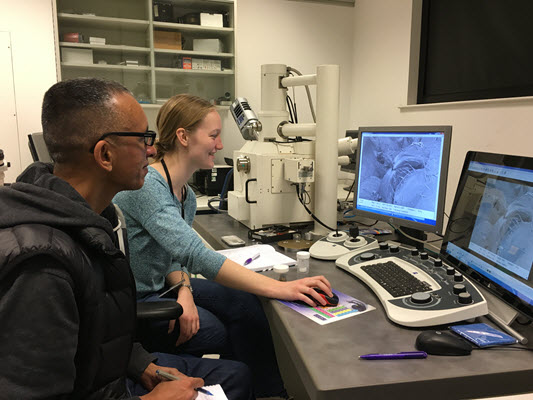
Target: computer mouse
[
  {"x": 357, "y": 305},
  {"x": 330, "y": 300},
  {"x": 443, "y": 343}
]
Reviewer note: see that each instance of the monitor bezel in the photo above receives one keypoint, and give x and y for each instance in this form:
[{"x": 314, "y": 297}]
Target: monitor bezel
[
  {"x": 497, "y": 290},
  {"x": 439, "y": 223}
]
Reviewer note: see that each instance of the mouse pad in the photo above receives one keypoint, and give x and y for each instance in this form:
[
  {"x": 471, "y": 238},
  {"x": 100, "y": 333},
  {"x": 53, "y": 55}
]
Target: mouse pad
[
  {"x": 347, "y": 307},
  {"x": 483, "y": 335}
]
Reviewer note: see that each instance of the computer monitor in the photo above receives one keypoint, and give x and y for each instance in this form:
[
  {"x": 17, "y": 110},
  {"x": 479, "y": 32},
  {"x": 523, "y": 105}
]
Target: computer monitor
[
  {"x": 400, "y": 177},
  {"x": 491, "y": 225}
]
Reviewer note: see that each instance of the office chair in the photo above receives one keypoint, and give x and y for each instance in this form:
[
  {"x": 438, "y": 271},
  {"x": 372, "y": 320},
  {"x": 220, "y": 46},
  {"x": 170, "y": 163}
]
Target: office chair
[
  {"x": 150, "y": 310},
  {"x": 38, "y": 149}
]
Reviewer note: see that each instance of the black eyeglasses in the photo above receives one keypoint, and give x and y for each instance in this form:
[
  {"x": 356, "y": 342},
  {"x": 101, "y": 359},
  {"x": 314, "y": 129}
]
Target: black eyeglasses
[{"x": 149, "y": 137}]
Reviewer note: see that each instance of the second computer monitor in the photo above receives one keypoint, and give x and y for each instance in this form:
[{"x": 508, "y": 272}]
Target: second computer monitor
[{"x": 401, "y": 175}]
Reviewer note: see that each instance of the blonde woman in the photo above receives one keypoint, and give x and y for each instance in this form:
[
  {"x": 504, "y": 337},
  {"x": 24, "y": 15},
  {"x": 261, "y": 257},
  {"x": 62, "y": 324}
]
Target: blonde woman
[{"x": 221, "y": 314}]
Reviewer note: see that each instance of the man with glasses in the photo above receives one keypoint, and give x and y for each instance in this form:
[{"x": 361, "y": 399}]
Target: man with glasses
[{"x": 67, "y": 295}]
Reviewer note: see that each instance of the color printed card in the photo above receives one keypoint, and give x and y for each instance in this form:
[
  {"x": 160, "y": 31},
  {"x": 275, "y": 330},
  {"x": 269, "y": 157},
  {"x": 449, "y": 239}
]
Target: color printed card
[{"x": 347, "y": 307}]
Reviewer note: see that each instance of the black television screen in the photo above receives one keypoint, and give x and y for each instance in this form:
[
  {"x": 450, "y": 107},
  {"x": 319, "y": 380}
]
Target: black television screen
[
  {"x": 401, "y": 175},
  {"x": 491, "y": 225}
]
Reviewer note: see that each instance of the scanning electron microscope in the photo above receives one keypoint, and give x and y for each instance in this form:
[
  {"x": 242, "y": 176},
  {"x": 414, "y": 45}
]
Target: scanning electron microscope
[{"x": 286, "y": 171}]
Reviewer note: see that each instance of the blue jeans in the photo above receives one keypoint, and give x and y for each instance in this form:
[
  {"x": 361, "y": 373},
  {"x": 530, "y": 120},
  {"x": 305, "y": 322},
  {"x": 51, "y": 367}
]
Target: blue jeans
[
  {"x": 232, "y": 324},
  {"x": 234, "y": 377}
]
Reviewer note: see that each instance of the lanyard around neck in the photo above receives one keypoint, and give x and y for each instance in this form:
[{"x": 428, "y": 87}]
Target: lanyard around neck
[{"x": 183, "y": 189}]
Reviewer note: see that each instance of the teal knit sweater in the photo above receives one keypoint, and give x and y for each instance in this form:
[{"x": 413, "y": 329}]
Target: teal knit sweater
[{"x": 160, "y": 240}]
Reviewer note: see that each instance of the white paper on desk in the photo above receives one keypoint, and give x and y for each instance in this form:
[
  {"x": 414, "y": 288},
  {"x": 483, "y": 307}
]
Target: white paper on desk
[
  {"x": 216, "y": 390},
  {"x": 267, "y": 259}
]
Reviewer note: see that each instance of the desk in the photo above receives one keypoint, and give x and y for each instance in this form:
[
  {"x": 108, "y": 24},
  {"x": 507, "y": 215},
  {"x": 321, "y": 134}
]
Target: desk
[{"x": 321, "y": 362}]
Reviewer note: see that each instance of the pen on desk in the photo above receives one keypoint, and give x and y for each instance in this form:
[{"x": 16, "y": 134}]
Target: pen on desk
[
  {"x": 395, "y": 356},
  {"x": 177, "y": 378},
  {"x": 252, "y": 258}
]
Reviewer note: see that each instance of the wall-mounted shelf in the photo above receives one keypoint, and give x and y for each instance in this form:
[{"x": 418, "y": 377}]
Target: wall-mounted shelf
[{"x": 128, "y": 28}]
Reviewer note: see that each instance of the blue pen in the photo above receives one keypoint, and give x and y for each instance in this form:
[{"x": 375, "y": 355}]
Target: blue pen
[
  {"x": 252, "y": 258},
  {"x": 395, "y": 356},
  {"x": 177, "y": 378}
]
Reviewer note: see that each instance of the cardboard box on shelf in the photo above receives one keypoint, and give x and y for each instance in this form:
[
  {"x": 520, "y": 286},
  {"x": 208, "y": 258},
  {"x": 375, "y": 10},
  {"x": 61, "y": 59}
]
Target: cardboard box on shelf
[
  {"x": 167, "y": 40},
  {"x": 76, "y": 56},
  {"x": 207, "y": 45},
  {"x": 207, "y": 19}
]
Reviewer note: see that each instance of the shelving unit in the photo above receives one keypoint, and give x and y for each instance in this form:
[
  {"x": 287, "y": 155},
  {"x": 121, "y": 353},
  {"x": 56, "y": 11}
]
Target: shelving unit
[{"x": 128, "y": 28}]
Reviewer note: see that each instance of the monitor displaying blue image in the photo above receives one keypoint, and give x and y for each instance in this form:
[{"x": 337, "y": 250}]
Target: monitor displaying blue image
[
  {"x": 491, "y": 226},
  {"x": 401, "y": 175}
]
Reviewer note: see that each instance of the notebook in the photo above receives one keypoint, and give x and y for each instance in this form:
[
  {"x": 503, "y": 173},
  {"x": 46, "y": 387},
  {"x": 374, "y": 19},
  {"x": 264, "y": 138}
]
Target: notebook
[
  {"x": 217, "y": 393},
  {"x": 260, "y": 257}
]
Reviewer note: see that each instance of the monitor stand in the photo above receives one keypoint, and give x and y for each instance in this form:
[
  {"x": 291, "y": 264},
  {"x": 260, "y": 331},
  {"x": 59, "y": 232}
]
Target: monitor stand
[
  {"x": 399, "y": 237},
  {"x": 501, "y": 314}
]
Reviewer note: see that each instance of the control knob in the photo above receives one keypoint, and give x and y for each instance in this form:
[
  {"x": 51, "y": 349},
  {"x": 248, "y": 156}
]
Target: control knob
[
  {"x": 458, "y": 277},
  {"x": 437, "y": 262},
  {"x": 414, "y": 252},
  {"x": 424, "y": 255},
  {"x": 465, "y": 298},
  {"x": 394, "y": 249},
  {"x": 450, "y": 270},
  {"x": 459, "y": 288},
  {"x": 367, "y": 256},
  {"x": 420, "y": 298},
  {"x": 383, "y": 245}
]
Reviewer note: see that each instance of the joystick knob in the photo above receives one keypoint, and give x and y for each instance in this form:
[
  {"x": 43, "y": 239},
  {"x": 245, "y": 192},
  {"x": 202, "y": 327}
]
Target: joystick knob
[
  {"x": 437, "y": 262},
  {"x": 414, "y": 252},
  {"x": 465, "y": 298},
  {"x": 367, "y": 256},
  {"x": 394, "y": 249},
  {"x": 458, "y": 277},
  {"x": 383, "y": 245},
  {"x": 459, "y": 288},
  {"x": 450, "y": 270},
  {"x": 424, "y": 255},
  {"x": 420, "y": 298}
]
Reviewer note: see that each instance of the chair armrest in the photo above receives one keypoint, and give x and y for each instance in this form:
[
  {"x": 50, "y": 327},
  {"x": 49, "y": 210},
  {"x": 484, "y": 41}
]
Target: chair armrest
[{"x": 159, "y": 310}]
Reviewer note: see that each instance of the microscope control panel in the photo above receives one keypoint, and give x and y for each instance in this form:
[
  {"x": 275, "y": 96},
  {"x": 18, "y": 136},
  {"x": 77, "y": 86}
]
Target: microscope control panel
[{"x": 416, "y": 290}]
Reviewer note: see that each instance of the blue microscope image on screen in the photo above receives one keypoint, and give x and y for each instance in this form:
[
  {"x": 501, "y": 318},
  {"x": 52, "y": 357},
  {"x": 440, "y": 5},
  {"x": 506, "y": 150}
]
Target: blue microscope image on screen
[
  {"x": 402, "y": 171},
  {"x": 504, "y": 226}
]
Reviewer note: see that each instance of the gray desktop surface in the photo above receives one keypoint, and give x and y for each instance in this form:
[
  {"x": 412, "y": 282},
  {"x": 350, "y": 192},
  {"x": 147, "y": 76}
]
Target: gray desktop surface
[{"x": 321, "y": 362}]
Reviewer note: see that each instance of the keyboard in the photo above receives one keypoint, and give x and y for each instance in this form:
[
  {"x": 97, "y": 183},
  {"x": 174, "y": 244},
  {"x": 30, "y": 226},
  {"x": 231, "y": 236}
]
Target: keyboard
[
  {"x": 416, "y": 290},
  {"x": 394, "y": 279}
]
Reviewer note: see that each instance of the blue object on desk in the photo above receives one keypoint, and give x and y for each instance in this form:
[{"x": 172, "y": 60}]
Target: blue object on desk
[
  {"x": 254, "y": 257},
  {"x": 395, "y": 356}
]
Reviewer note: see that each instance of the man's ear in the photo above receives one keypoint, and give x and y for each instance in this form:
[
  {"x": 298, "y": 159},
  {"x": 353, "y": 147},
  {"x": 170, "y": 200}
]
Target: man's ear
[
  {"x": 182, "y": 137},
  {"x": 104, "y": 155}
]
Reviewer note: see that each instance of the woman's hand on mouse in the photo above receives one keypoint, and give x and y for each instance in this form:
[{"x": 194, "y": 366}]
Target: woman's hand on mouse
[
  {"x": 297, "y": 290},
  {"x": 236, "y": 276}
]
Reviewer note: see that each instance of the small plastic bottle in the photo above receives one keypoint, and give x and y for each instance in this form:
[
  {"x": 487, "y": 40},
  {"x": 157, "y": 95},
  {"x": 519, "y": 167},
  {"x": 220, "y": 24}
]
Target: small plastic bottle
[
  {"x": 302, "y": 262},
  {"x": 282, "y": 271}
]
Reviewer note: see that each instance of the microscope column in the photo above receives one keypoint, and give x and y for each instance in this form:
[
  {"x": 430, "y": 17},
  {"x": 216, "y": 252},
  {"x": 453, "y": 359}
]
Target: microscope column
[{"x": 326, "y": 153}]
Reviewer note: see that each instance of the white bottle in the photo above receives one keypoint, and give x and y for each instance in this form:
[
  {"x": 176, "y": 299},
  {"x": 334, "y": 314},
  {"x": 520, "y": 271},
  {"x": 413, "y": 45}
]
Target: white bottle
[
  {"x": 282, "y": 271},
  {"x": 302, "y": 262}
]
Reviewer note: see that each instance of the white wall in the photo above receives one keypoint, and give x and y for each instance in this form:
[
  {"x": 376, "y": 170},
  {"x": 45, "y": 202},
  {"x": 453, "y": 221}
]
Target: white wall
[
  {"x": 30, "y": 27},
  {"x": 301, "y": 35},
  {"x": 382, "y": 30}
]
